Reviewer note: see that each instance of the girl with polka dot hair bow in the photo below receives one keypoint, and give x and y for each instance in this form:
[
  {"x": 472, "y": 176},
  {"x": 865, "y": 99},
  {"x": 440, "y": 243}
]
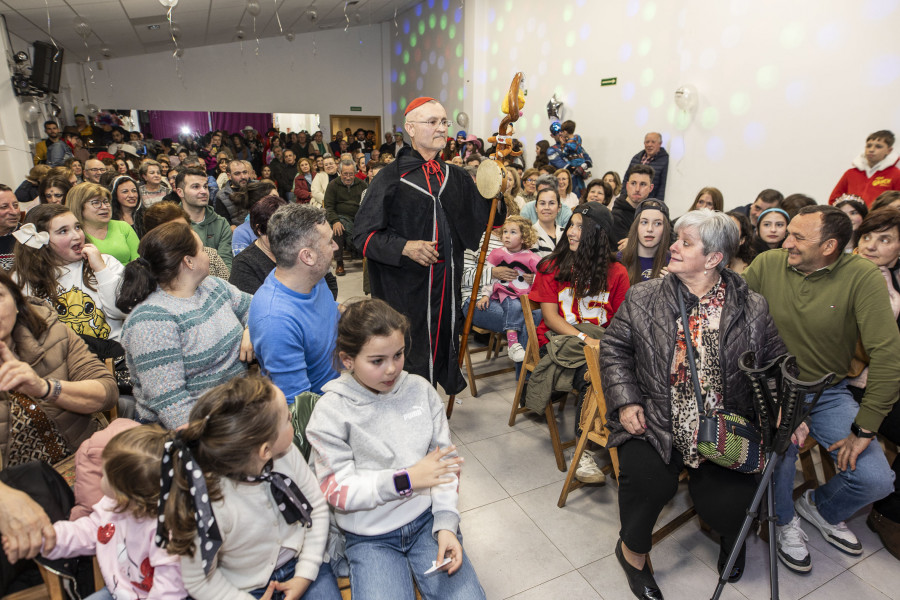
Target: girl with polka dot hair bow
[
  {"x": 239, "y": 503},
  {"x": 121, "y": 528}
]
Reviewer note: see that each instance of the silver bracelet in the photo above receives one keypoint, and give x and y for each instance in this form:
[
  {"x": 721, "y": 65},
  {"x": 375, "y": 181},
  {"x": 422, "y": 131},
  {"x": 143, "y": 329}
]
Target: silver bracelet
[{"x": 57, "y": 390}]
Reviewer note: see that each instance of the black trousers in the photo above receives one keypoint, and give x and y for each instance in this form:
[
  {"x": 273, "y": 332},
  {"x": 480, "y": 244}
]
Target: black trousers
[
  {"x": 646, "y": 484},
  {"x": 889, "y": 506}
]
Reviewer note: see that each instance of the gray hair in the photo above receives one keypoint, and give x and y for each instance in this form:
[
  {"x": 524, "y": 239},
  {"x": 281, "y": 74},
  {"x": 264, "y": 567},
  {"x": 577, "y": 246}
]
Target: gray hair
[
  {"x": 291, "y": 229},
  {"x": 347, "y": 162},
  {"x": 716, "y": 230},
  {"x": 547, "y": 181}
]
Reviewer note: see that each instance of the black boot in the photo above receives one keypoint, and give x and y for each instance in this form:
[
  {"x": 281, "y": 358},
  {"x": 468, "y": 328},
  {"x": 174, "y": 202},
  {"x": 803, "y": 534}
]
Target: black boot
[
  {"x": 737, "y": 571},
  {"x": 641, "y": 582}
]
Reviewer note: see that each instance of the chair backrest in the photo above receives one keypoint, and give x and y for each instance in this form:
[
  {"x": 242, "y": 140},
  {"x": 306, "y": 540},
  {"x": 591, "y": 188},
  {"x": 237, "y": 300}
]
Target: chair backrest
[{"x": 532, "y": 355}]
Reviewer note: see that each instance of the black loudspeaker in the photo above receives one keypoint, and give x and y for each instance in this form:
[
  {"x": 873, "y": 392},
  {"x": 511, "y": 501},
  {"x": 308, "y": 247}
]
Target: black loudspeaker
[{"x": 46, "y": 71}]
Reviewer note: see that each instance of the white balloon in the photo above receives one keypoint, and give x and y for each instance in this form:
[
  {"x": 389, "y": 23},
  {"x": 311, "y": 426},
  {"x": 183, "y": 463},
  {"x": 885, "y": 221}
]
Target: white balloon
[
  {"x": 686, "y": 97},
  {"x": 289, "y": 36},
  {"x": 92, "y": 110},
  {"x": 82, "y": 27},
  {"x": 31, "y": 112},
  {"x": 240, "y": 33},
  {"x": 253, "y": 7},
  {"x": 463, "y": 120},
  {"x": 179, "y": 52},
  {"x": 105, "y": 51},
  {"x": 168, "y": 3}
]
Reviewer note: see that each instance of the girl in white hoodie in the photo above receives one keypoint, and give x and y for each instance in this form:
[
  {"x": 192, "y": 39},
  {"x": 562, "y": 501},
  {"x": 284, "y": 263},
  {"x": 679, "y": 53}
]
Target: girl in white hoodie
[{"x": 384, "y": 460}]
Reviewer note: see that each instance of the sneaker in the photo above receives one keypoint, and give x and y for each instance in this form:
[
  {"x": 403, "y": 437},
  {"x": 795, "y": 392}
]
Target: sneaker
[
  {"x": 792, "y": 546},
  {"x": 516, "y": 352},
  {"x": 838, "y": 535},
  {"x": 588, "y": 471}
]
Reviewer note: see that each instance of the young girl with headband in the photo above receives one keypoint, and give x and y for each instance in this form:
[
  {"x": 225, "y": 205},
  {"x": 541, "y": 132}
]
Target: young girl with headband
[
  {"x": 241, "y": 506},
  {"x": 771, "y": 229},
  {"x": 384, "y": 459}
]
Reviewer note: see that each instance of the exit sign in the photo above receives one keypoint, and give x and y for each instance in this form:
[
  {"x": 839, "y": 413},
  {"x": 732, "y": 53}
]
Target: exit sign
[
  {"x": 608, "y": 81},
  {"x": 356, "y": 108}
]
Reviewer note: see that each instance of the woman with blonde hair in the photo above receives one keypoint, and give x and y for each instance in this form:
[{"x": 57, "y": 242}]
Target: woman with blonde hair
[{"x": 92, "y": 206}]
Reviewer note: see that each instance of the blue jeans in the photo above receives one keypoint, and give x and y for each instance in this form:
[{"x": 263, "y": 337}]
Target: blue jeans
[
  {"x": 380, "y": 566},
  {"x": 496, "y": 318},
  {"x": 101, "y": 594},
  {"x": 323, "y": 588},
  {"x": 848, "y": 491}
]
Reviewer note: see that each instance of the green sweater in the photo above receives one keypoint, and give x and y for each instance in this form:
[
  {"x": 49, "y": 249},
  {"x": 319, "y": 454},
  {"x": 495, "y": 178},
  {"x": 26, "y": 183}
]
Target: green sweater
[
  {"x": 343, "y": 201},
  {"x": 821, "y": 315},
  {"x": 121, "y": 242},
  {"x": 215, "y": 231}
]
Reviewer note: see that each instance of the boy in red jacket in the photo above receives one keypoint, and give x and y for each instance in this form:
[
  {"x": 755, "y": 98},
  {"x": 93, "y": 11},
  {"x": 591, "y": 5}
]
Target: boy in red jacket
[{"x": 873, "y": 172}]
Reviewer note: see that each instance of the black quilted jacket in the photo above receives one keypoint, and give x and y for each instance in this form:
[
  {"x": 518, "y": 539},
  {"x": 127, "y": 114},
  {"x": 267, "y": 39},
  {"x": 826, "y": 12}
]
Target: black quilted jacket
[{"x": 636, "y": 353}]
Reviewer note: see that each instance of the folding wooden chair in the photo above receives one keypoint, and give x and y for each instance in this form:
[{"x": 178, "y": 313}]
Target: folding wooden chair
[
  {"x": 532, "y": 357},
  {"x": 593, "y": 427},
  {"x": 495, "y": 343}
]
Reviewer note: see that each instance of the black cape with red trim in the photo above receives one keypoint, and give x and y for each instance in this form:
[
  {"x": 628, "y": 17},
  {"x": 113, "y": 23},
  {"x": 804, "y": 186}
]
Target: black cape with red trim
[{"x": 393, "y": 213}]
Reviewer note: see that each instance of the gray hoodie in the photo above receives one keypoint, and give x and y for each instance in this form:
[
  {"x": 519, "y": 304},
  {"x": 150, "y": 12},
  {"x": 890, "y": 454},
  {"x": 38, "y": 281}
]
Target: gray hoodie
[{"x": 360, "y": 439}]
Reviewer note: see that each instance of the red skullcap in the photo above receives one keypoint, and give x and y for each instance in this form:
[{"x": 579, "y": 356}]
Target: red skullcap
[{"x": 417, "y": 103}]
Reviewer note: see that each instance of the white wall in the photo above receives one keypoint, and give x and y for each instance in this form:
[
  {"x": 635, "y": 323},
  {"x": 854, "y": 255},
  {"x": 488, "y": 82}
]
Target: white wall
[
  {"x": 427, "y": 50},
  {"x": 788, "y": 90},
  {"x": 322, "y": 73}
]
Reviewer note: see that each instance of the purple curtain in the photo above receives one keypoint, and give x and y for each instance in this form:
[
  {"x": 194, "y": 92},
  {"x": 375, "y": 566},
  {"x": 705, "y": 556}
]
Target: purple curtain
[
  {"x": 235, "y": 122},
  {"x": 170, "y": 123}
]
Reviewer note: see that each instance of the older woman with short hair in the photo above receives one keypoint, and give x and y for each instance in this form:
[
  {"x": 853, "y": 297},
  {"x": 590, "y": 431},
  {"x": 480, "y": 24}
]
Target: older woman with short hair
[{"x": 651, "y": 404}]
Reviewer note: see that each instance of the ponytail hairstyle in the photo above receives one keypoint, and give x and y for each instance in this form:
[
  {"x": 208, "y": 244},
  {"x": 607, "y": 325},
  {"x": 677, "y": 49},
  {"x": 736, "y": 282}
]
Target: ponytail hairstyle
[
  {"x": 131, "y": 463},
  {"x": 630, "y": 257},
  {"x": 161, "y": 253},
  {"x": 40, "y": 268},
  {"x": 586, "y": 269},
  {"x": 227, "y": 426},
  {"x": 362, "y": 320}
]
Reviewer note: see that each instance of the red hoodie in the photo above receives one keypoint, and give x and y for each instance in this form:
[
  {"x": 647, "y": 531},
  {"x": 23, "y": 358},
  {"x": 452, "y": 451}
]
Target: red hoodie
[{"x": 868, "y": 182}]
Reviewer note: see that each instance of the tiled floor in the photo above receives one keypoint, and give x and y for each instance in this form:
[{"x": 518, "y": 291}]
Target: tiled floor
[{"x": 526, "y": 548}]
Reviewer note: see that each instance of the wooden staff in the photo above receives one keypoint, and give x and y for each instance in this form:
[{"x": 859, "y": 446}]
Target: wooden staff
[{"x": 491, "y": 182}]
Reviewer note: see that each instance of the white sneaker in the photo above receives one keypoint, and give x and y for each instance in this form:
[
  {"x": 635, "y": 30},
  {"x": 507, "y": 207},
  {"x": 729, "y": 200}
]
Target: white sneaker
[
  {"x": 792, "y": 546},
  {"x": 838, "y": 535},
  {"x": 588, "y": 471},
  {"x": 516, "y": 352}
]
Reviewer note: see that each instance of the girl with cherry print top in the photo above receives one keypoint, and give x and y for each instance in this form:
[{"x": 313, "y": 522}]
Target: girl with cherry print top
[
  {"x": 384, "y": 460},
  {"x": 121, "y": 529}
]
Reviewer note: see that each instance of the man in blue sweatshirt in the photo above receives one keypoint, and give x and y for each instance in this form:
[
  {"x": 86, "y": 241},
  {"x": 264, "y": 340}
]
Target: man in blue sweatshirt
[{"x": 293, "y": 315}]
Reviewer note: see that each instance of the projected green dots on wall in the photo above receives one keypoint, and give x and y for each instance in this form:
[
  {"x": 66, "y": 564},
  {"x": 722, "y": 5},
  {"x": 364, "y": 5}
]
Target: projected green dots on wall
[
  {"x": 767, "y": 77},
  {"x": 647, "y": 76},
  {"x": 649, "y": 11},
  {"x": 740, "y": 104},
  {"x": 644, "y": 46},
  {"x": 657, "y": 98},
  {"x": 710, "y": 117},
  {"x": 791, "y": 36}
]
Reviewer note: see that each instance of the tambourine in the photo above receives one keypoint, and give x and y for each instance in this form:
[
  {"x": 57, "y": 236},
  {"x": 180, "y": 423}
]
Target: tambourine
[{"x": 490, "y": 179}]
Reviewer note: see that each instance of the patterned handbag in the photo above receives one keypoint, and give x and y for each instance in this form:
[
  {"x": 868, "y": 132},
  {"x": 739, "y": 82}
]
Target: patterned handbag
[
  {"x": 724, "y": 438},
  {"x": 32, "y": 434}
]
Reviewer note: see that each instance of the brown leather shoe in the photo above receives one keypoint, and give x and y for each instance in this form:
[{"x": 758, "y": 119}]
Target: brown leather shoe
[
  {"x": 887, "y": 530},
  {"x": 339, "y": 271}
]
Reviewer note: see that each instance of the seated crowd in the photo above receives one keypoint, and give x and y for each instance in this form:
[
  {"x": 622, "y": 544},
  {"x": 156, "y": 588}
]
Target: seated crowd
[{"x": 203, "y": 273}]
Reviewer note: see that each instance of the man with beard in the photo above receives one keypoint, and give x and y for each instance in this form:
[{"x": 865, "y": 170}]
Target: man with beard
[
  {"x": 53, "y": 136},
  {"x": 415, "y": 221}
]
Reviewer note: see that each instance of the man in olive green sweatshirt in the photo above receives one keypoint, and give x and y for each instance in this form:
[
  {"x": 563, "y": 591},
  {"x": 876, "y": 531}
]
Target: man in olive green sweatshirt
[
  {"x": 823, "y": 301},
  {"x": 192, "y": 187}
]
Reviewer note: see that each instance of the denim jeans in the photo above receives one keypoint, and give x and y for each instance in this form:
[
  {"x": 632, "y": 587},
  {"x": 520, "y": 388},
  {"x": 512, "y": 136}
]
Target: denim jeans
[
  {"x": 101, "y": 594},
  {"x": 323, "y": 588},
  {"x": 380, "y": 566},
  {"x": 848, "y": 491},
  {"x": 495, "y": 318}
]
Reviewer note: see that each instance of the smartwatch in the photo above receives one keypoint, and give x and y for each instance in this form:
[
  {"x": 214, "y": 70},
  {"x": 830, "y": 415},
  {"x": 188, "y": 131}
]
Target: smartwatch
[
  {"x": 402, "y": 483},
  {"x": 858, "y": 432}
]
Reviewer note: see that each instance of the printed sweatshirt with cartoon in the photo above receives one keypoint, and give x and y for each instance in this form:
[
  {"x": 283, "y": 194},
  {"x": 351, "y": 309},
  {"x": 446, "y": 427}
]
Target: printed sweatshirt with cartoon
[{"x": 361, "y": 439}]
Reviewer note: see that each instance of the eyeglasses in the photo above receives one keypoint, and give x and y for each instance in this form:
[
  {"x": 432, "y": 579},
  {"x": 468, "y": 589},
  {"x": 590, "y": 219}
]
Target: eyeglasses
[
  {"x": 98, "y": 202},
  {"x": 433, "y": 123},
  {"x": 531, "y": 180}
]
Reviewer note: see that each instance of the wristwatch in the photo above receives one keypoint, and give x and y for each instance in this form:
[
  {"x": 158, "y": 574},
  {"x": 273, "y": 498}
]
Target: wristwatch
[
  {"x": 402, "y": 483},
  {"x": 858, "y": 432}
]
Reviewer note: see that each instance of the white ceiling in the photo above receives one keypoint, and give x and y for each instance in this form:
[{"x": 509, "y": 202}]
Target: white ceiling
[{"x": 122, "y": 26}]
